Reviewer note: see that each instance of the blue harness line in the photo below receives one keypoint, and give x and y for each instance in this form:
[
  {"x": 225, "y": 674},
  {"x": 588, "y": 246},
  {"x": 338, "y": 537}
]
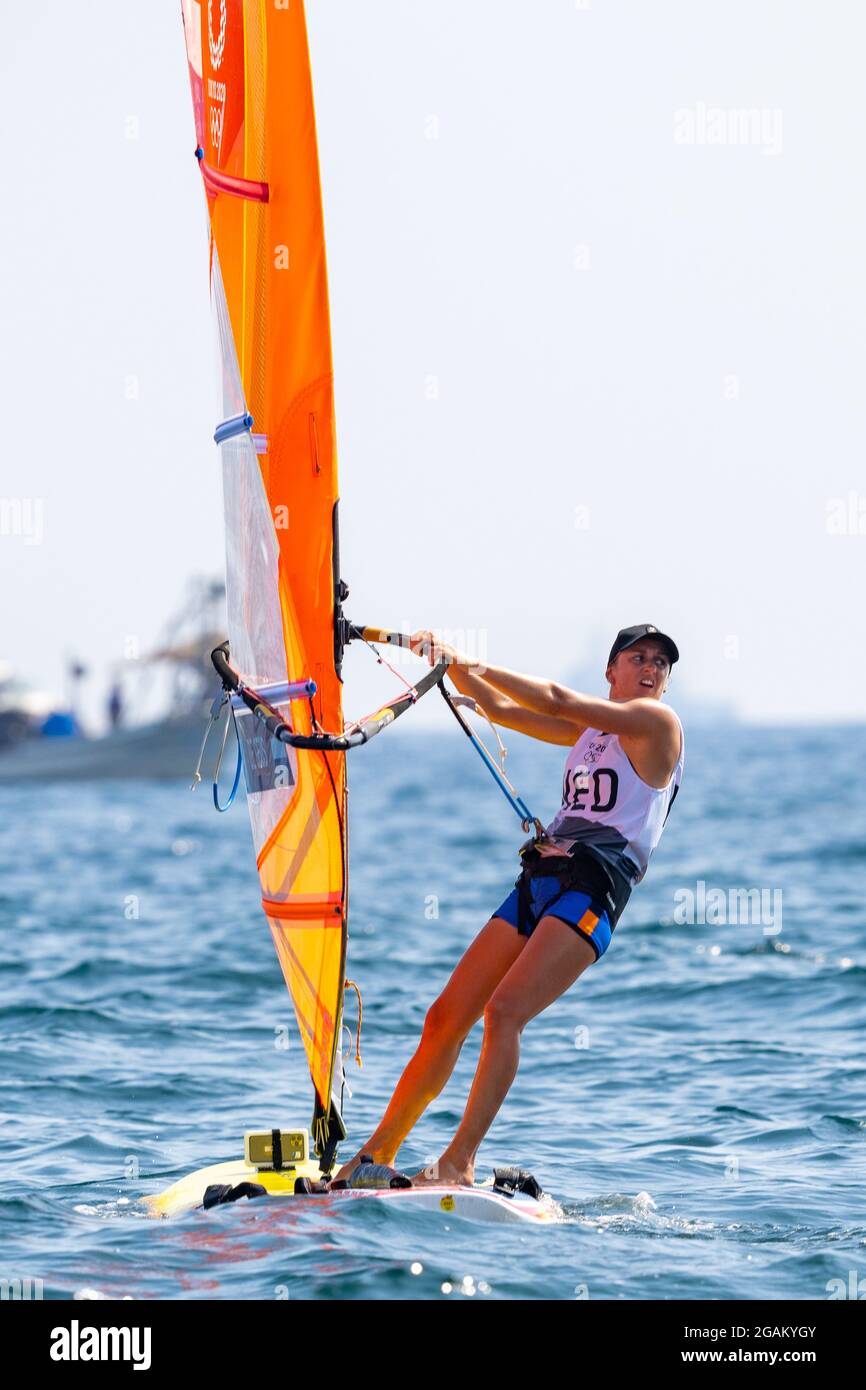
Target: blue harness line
[
  {"x": 510, "y": 792},
  {"x": 213, "y": 718},
  {"x": 230, "y": 719}
]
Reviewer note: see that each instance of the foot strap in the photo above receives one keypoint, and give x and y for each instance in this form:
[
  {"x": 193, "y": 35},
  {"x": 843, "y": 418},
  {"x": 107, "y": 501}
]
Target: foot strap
[
  {"x": 378, "y": 1175},
  {"x": 511, "y": 1180},
  {"x": 304, "y": 1186},
  {"x": 220, "y": 1192}
]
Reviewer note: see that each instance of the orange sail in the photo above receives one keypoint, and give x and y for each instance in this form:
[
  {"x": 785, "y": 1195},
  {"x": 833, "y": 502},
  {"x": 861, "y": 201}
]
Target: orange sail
[{"x": 253, "y": 103}]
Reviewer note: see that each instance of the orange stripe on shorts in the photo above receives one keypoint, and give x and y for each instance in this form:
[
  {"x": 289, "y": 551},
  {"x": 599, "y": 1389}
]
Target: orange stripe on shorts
[{"x": 588, "y": 922}]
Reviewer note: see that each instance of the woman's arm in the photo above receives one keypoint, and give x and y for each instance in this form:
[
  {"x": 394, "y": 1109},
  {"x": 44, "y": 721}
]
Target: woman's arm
[
  {"x": 525, "y": 691},
  {"x": 501, "y": 710},
  {"x": 641, "y": 718},
  {"x": 509, "y": 713}
]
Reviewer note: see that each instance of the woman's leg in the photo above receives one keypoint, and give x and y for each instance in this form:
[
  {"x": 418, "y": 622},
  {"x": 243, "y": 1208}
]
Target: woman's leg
[
  {"x": 449, "y": 1019},
  {"x": 555, "y": 956}
]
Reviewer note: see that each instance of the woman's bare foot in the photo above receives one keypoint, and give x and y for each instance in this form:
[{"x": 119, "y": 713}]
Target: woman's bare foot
[
  {"x": 368, "y": 1155},
  {"x": 445, "y": 1171}
]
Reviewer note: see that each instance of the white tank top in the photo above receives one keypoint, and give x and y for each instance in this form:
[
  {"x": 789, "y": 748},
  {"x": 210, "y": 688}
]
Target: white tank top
[{"x": 608, "y": 809}]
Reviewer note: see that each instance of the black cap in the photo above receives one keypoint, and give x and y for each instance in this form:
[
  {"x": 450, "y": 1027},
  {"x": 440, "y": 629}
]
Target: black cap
[{"x": 627, "y": 636}]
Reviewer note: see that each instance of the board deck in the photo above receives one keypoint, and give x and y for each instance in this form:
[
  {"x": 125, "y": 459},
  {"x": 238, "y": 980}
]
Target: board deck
[{"x": 479, "y": 1203}]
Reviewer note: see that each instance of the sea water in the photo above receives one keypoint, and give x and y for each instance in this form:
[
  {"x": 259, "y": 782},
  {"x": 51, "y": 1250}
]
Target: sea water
[{"x": 696, "y": 1102}]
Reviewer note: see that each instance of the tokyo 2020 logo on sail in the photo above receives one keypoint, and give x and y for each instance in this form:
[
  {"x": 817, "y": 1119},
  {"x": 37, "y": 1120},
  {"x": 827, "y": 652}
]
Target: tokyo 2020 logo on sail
[{"x": 217, "y": 46}]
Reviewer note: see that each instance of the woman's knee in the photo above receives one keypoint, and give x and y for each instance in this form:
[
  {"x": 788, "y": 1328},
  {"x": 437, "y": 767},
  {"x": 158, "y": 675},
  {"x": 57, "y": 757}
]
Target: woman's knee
[
  {"x": 503, "y": 1012},
  {"x": 442, "y": 1024}
]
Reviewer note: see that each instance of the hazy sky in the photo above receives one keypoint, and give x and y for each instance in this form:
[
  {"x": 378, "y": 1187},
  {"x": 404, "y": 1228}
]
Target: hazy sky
[{"x": 599, "y": 339}]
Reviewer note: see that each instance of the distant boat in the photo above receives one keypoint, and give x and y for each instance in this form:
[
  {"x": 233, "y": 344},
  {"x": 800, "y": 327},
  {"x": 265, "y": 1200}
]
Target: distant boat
[
  {"x": 42, "y": 739},
  {"x": 24, "y": 712},
  {"x": 165, "y": 750}
]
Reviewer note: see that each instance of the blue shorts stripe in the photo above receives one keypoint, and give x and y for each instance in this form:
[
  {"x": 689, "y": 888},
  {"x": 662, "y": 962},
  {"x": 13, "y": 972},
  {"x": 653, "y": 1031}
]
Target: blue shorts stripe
[{"x": 571, "y": 908}]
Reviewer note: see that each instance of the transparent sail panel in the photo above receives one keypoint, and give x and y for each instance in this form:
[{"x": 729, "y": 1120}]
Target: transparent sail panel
[
  {"x": 233, "y": 402},
  {"x": 252, "y": 596},
  {"x": 252, "y": 555},
  {"x": 255, "y": 620}
]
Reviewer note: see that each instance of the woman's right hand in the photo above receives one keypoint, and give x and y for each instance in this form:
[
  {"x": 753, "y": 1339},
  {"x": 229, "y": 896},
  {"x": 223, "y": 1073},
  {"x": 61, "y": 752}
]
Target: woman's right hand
[{"x": 425, "y": 643}]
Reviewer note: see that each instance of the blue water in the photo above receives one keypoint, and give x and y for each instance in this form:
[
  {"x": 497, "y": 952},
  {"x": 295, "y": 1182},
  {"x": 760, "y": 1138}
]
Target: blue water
[{"x": 696, "y": 1102}]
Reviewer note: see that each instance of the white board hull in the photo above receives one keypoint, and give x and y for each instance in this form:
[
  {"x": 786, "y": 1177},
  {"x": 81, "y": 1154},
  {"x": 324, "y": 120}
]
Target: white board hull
[{"x": 478, "y": 1203}]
